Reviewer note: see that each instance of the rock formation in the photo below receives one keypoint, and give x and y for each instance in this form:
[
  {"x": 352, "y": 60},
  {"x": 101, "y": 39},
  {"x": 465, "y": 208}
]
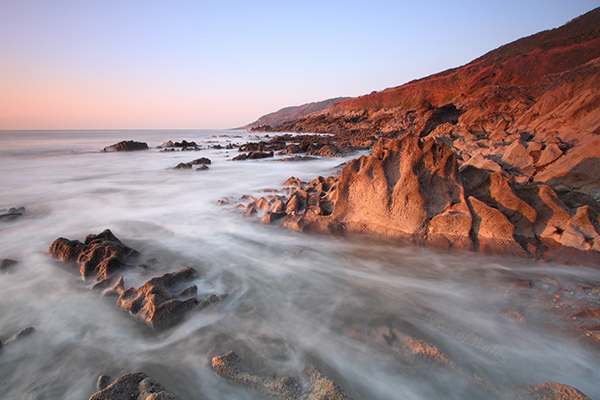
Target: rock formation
[
  {"x": 157, "y": 306},
  {"x": 313, "y": 385},
  {"x": 412, "y": 189},
  {"x": 100, "y": 255},
  {"x": 134, "y": 386},
  {"x": 127, "y": 145}
]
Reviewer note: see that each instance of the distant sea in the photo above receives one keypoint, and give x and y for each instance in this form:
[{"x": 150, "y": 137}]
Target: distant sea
[{"x": 341, "y": 303}]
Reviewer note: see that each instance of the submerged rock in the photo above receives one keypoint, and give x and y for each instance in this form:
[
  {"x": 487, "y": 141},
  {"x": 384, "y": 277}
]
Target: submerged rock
[
  {"x": 7, "y": 264},
  {"x": 134, "y": 386},
  {"x": 253, "y": 155},
  {"x": 312, "y": 385},
  {"x": 100, "y": 255},
  {"x": 127, "y": 145}
]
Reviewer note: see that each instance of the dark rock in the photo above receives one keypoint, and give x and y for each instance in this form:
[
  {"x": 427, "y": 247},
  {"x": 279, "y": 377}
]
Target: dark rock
[
  {"x": 7, "y": 264},
  {"x": 22, "y": 333},
  {"x": 199, "y": 161},
  {"x": 103, "y": 382},
  {"x": 312, "y": 385},
  {"x": 134, "y": 386},
  {"x": 253, "y": 155},
  {"x": 12, "y": 214},
  {"x": 127, "y": 145},
  {"x": 100, "y": 255}
]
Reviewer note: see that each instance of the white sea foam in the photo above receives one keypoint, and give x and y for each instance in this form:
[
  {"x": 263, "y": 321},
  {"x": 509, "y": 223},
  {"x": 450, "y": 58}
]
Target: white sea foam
[{"x": 294, "y": 299}]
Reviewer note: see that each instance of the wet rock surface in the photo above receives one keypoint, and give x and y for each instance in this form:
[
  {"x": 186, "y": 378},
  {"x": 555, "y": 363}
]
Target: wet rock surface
[
  {"x": 127, "y": 145},
  {"x": 132, "y": 386},
  {"x": 312, "y": 385},
  {"x": 100, "y": 255}
]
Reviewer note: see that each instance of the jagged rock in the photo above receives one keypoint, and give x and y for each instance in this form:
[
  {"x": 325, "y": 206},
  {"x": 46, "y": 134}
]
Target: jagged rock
[
  {"x": 134, "y": 386},
  {"x": 493, "y": 231},
  {"x": 479, "y": 161},
  {"x": 313, "y": 385},
  {"x": 100, "y": 255},
  {"x": 154, "y": 304},
  {"x": 103, "y": 382},
  {"x": 7, "y": 264},
  {"x": 553, "y": 391},
  {"x": 271, "y": 217},
  {"x": 517, "y": 156},
  {"x": 548, "y": 155},
  {"x": 127, "y": 145},
  {"x": 578, "y": 168}
]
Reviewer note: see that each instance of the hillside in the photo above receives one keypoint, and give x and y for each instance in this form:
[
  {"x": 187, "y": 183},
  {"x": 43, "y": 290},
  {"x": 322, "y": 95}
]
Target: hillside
[{"x": 286, "y": 114}]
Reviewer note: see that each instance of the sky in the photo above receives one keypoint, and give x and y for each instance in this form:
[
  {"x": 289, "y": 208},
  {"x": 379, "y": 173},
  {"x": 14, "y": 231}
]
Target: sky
[{"x": 183, "y": 64}]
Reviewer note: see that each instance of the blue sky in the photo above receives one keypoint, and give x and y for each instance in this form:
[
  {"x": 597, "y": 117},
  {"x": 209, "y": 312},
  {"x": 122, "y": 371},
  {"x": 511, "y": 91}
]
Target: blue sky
[{"x": 132, "y": 64}]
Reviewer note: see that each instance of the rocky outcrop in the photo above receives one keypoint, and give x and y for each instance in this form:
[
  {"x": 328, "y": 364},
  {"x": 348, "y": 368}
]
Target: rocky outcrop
[
  {"x": 412, "y": 189},
  {"x": 312, "y": 385},
  {"x": 127, "y": 145},
  {"x": 156, "y": 305},
  {"x": 253, "y": 155},
  {"x": 99, "y": 255},
  {"x": 134, "y": 386}
]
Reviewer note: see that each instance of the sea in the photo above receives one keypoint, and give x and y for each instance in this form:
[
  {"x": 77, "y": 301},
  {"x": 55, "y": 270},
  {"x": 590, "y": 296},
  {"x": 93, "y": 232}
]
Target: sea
[{"x": 346, "y": 305}]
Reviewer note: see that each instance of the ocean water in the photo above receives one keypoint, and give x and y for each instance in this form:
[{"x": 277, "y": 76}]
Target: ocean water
[{"x": 294, "y": 299}]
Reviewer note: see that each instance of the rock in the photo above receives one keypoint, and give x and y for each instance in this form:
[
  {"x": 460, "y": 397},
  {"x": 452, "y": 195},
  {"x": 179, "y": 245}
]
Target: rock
[
  {"x": 397, "y": 191},
  {"x": 22, "y": 334},
  {"x": 253, "y": 155},
  {"x": 12, "y": 214},
  {"x": 479, "y": 161},
  {"x": 271, "y": 217},
  {"x": 578, "y": 168},
  {"x": 153, "y": 303},
  {"x": 202, "y": 168},
  {"x": 127, "y": 145},
  {"x": 517, "y": 156},
  {"x": 554, "y": 391},
  {"x": 103, "y": 382},
  {"x": 100, "y": 255},
  {"x": 549, "y": 155},
  {"x": 7, "y": 264},
  {"x": 493, "y": 231},
  {"x": 203, "y": 161},
  {"x": 134, "y": 386},
  {"x": 312, "y": 385}
]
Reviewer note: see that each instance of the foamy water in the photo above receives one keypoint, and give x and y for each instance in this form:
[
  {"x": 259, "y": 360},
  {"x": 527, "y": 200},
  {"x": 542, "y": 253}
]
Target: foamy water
[{"x": 294, "y": 300}]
